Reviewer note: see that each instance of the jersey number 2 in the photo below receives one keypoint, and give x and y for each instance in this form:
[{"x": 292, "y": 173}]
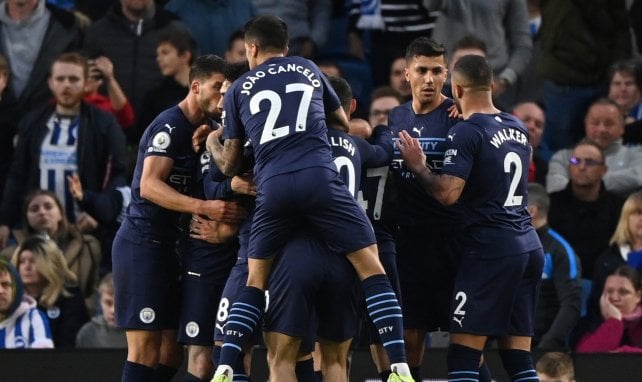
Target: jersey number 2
[
  {"x": 270, "y": 131},
  {"x": 509, "y": 160}
]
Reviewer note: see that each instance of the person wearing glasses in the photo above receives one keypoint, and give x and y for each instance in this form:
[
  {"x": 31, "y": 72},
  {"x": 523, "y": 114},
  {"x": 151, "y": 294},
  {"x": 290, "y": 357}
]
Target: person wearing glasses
[
  {"x": 585, "y": 212},
  {"x": 604, "y": 125}
]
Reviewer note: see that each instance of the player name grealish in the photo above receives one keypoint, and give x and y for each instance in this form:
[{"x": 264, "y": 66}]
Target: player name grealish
[
  {"x": 342, "y": 142},
  {"x": 277, "y": 69},
  {"x": 508, "y": 134}
]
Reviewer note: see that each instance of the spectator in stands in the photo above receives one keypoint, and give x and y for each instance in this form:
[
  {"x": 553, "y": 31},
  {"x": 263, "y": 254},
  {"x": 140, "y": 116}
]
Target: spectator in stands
[
  {"x": 329, "y": 67},
  {"x": 46, "y": 277},
  {"x": 397, "y": 78},
  {"x": 101, "y": 72},
  {"x": 579, "y": 40},
  {"x": 22, "y": 325},
  {"x": 212, "y": 22},
  {"x": 235, "y": 52},
  {"x": 619, "y": 328},
  {"x": 624, "y": 89},
  {"x": 61, "y": 139},
  {"x": 626, "y": 247},
  {"x": 101, "y": 331},
  {"x": 382, "y": 100},
  {"x": 7, "y": 125},
  {"x": 533, "y": 117},
  {"x": 34, "y": 33},
  {"x": 43, "y": 214},
  {"x": 503, "y": 26},
  {"x": 128, "y": 35},
  {"x": 175, "y": 53},
  {"x": 560, "y": 293},
  {"x": 585, "y": 213},
  {"x": 604, "y": 125},
  {"x": 555, "y": 367}
]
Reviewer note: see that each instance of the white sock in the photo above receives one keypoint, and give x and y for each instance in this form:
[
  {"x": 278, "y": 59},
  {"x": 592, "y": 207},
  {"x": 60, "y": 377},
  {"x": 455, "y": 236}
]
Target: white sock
[
  {"x": 222, "y": 369},
  {"x": 400, "y": 368}
]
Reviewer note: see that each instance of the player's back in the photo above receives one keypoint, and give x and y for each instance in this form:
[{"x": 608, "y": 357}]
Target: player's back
[
  {"x": 347, "y": 158},
  {"x": 280, "y": 106},
  {"x": 493, "y": 159}
]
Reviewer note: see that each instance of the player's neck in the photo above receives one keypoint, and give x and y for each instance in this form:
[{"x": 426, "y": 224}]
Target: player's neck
[
  {"x": 262, "y": 57},
  {"x": 477, "y": 103},
  {"x": 419, "y": 108},
  {"x": 192, "y": 111}
]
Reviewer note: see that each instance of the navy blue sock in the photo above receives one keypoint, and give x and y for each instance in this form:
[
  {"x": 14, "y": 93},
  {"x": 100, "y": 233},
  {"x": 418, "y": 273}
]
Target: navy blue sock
[
  {"x": 463, "y": 363},
  {"x": 245, "y": 314},
  {"x": 192, "y": 378},
  {"x": 163, "y": 373},
  {"x": 518, "y": 365},
  {"x": 305, "y": 371},
  {"x": 385, "y": 374},
  {"x": 484, "y": 373},
  {"x": 216, "y": 355},
  {"x": 415, "y": 371},
  {"x": 135, "y": 372},
  {"x": 385, "y": 313},
  {"x": 239, "y": 369},
  {"x": 318, "y": 375}
]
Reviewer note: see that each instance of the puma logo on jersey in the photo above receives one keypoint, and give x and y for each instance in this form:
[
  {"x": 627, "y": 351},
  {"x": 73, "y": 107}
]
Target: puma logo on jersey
[
  {"x": 418, "y": 131},
  {"x": 170, "y": 128},
  {"x": 451, "y": 136},
  {"x": 220, "y": 327},
  {"x": 459, "y": 320}
]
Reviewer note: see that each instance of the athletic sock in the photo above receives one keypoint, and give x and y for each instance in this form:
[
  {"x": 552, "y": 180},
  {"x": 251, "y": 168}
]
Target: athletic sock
[
  {"x": 163, "y": 373},
  {"x": 415, "y": 371},
  {"x": 192, "y": 378},
  {"x": 518, "y": 365},
  {"x": 385, "y": 313},
  {"x": 385, "y": 374},
  {"x": 135, "y": 372},
  {"x": 243, "y": 319},
  {"x": 216, "y": 355},
  {"x": 305, "y": 371},
  {"x": 463, "y": 363},
  {"x": 484, "y": 373}
]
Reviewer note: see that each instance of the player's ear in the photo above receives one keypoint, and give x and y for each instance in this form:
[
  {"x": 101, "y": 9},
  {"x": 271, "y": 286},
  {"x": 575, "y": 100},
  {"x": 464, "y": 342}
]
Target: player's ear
[
  {"x": 195, "y": 87},
  {"x": 353, "y": 105},
  {"x": 459, "y": 90}
]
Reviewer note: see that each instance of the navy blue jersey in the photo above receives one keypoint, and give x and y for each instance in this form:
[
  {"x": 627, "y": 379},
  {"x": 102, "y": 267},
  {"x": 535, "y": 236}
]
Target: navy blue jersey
[
  {"x": 413, "y": 206},
  {"x": 280, "y": 107},
  {"x": 347, "y": 158},
  {"x": 491, "y": 153},
  {"x": 169, "y": 135}
]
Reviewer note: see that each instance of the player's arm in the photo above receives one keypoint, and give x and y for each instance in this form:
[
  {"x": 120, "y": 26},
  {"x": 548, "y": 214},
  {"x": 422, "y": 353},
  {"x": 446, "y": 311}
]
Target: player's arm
[
  {"x": 446, "y": 189},
  {"x": 228, "y": 156},
  {"x": 153, "y": 187}
]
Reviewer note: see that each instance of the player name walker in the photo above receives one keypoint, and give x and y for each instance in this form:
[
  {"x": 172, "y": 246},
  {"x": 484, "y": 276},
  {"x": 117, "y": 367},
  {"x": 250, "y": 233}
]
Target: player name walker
[
  {"x": 508, "y": 134},
  {"x": 274, "y": 69}
]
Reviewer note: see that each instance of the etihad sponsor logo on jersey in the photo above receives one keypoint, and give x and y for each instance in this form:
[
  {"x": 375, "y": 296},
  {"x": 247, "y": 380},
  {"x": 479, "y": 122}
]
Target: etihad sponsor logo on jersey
[{"x": 508, "y": 134}]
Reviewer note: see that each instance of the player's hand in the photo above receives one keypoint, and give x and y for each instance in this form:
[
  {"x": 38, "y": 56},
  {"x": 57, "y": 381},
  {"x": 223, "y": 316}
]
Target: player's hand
[
  {"x": 453, "y": 112},
  {"x": 86, "y": 222},
  {"x": 199, "y": 136},
  {"x": 411, "y": 152},
  {"x": 608, "y": 309},
  {"x": 222, "y": 211},
  {"x": 4, "y": 235},
  {"x": 75, "y": 187},
  {"x": 211, "y": 231},
  {"x": 213, "y": 142},
  {"x": 360, "y": 128},
  {"x": 244, "y": 184}
]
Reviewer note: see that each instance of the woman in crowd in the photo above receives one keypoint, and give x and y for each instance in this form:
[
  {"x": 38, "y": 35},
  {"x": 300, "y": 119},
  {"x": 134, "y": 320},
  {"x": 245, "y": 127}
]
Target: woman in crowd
[
  {"x": 43, "y": 214},
  {"x": 619, "y": 329},
  {"x": 46, "y": 277}
]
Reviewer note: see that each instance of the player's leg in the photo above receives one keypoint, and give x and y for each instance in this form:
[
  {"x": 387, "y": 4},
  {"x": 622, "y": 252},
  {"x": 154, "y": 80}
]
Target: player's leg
[
  {"x": 335, "y": 360},
  {"x": 199, "y": 362},
  {"x": 171, "y": 357},
  {"x": 283, "y": 352},
  {"x": 143, "y": 353}
]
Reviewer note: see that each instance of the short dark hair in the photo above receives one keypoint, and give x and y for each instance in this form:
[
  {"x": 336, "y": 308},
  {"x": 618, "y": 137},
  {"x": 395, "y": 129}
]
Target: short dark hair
[
  {"x": 629, "y": 273},
  {"x": 343, "y": 90},
  {"x": 204, "y": 66},
  {"x": 75, "y": 58},
  {"x": 236, "y": 70},
  {"x": 385, "y": 91},
  {"x": 424, "y": 46},
  {"x": 630, "y": 67},
  {"x": 470, "y": 42},
  {"x": 182, "y": 40},
  {"x": 476, "y": 72},
  {"x": 267, "y": 32},
  {"x": 538, "y": 197},
  {"x": 236, "y": 35}
]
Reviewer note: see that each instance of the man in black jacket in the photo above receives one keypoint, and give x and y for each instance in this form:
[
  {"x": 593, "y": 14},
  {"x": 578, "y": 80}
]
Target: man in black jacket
[{"x": 62, "y": 139}]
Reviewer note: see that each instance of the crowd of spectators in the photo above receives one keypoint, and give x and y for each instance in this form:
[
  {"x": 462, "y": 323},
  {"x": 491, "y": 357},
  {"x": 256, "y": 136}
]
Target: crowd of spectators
[{"x": 79, "y": 83}]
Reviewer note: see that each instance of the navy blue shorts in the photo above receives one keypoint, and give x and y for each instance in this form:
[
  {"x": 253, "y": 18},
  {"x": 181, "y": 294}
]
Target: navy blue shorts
[
  {"x": 146, "y": 284},
  {"x": 308, "y": 280},
  {"x": 427, "y": 263},
  {"x": 497, "y": 296},
  {"x": 203, "y": 279},
  {"x": 315, "y": 196}
]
